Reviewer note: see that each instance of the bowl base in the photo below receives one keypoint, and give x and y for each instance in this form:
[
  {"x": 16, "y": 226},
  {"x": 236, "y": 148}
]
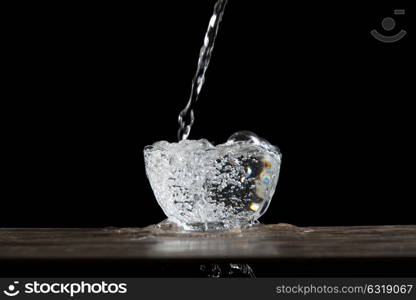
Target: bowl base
[{"x": 209, "y": 226}]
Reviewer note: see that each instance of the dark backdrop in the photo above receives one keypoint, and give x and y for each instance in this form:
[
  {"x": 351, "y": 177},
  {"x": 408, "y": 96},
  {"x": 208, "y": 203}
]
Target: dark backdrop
[{"x": 87, "y": 87}]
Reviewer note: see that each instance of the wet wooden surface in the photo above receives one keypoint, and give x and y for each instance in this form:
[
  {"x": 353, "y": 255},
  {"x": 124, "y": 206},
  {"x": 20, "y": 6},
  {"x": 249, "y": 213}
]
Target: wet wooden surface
[{"x": 278, "y": 242}]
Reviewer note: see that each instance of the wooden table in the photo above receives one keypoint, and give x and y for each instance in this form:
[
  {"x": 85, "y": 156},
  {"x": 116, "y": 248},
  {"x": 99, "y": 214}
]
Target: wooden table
[{"x": 281, "y": 247}]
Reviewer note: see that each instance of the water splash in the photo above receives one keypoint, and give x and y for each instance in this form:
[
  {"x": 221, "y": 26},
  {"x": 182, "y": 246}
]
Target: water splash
[
  {"x": 225, "y": 270},
  {"x": 186, "y": 116}
]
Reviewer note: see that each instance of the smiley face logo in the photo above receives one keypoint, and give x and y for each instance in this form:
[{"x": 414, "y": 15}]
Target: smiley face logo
[
  {"x": 11, "y": 290},
  {"x": 389, "y": 24}
]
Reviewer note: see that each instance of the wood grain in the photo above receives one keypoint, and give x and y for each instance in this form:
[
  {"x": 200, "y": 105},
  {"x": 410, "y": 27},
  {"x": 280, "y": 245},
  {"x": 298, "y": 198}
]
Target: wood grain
[{"x": 276, "y": 242}]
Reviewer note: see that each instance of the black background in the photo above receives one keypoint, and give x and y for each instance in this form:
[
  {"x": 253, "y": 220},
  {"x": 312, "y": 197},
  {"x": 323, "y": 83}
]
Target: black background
[{"x": 85, "y": 88}]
